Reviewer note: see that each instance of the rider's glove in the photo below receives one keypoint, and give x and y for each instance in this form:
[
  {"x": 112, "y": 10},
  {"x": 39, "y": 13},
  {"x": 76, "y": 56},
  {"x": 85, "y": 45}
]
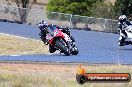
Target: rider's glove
[{"x": 46, "y": 43}]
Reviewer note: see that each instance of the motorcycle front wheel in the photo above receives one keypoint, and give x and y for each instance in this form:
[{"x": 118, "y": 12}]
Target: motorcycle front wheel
[{"x": 62, "y": 47}]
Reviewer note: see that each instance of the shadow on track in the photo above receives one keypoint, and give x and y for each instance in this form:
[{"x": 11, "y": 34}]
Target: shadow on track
[{"x": 126, "y": 49}]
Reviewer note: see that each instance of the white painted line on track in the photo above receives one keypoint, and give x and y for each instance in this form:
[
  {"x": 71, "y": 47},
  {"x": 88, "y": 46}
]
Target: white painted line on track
[{"x": 14, "y": 55}]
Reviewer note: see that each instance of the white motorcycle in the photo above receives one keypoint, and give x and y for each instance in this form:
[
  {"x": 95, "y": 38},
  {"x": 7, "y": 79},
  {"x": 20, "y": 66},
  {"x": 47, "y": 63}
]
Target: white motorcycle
[{"x": 123, "y": 39}]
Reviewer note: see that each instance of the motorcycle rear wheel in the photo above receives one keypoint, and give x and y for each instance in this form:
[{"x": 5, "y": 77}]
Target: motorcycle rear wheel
[{"x": 75, "y": 51}]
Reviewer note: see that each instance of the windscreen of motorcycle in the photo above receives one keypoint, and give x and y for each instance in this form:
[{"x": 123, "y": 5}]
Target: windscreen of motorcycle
[{"x": 51, "y": 30}]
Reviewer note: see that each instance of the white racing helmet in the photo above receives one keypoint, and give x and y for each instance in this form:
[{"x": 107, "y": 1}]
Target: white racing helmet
[
  {"x": 122, "y": 18},
  {"x": 42, "y": 24}
]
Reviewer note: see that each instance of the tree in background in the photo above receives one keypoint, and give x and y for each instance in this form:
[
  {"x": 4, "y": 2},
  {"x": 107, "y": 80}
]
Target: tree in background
[
  {"x": 26, "y": 7},
  {"x": 103, "y": 10},
  {"x": 75, "y": 7},
  {"x": 123, "y": 7},
  {"x": 95, "y": 8},
  {"x": 78, "y": 7}
]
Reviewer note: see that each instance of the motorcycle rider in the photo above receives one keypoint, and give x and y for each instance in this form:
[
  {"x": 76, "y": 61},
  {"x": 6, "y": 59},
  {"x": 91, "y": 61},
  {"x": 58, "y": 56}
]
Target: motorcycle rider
[
  {"x": 122, "y": 24},
  {"x": 42, "y": 26},
  {"x": 43, "y": 32}
]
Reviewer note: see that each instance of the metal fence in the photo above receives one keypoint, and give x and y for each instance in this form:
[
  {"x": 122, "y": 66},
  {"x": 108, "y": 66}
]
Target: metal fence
[{"x": 33, "y": 16}]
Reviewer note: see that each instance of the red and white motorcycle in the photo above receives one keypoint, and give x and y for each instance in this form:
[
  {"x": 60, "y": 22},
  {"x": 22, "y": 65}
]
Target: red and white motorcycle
[{"x": 61, "y": 41}]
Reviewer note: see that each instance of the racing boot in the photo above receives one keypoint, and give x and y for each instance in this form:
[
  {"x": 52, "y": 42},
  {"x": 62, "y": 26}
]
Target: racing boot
[{"x": 121, "y": 42}]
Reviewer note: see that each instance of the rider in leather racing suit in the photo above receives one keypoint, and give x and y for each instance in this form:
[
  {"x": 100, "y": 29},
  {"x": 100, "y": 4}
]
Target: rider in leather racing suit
[
  {"x": 122, "y": 24},
  {"x": 43, "y": 32}
]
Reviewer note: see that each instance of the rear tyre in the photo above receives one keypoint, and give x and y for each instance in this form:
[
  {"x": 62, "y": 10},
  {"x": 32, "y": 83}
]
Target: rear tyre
[
  {"x": 75, "y": 51},
  {"x": 62, "y": 47}
]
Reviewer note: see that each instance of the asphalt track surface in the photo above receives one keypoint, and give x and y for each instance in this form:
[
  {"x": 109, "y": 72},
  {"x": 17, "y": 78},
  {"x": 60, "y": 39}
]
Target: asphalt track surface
[{"x": 94, "y": 47}]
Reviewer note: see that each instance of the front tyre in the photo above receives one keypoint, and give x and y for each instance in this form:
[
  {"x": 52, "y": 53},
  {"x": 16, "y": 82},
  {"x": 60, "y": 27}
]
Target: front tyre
[{"x": 62, "y": 47}]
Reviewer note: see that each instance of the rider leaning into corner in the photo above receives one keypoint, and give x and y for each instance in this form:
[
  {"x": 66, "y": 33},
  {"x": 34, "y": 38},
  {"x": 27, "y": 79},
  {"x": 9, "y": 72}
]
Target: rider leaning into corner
[
  {"x": 122, "y": 24},
  {"x": 43, "y": 33}
]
